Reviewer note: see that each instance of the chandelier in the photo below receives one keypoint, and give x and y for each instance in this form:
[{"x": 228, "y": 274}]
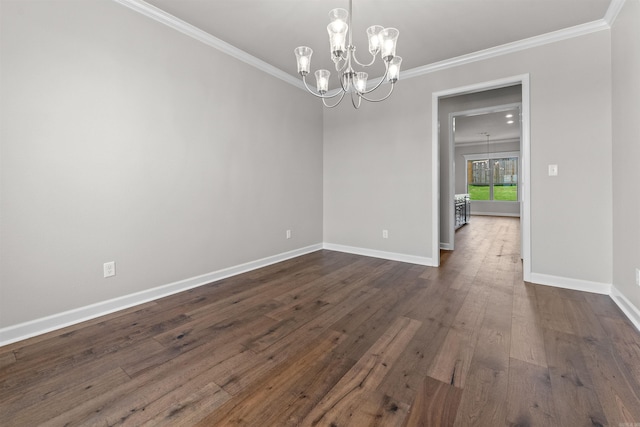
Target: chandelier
[{"x": 381, "y": 40}]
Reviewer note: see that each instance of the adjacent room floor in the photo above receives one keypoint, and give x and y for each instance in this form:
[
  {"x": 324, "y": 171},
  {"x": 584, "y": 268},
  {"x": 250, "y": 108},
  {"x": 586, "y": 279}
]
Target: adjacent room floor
[{"x": 334, "y": 339}]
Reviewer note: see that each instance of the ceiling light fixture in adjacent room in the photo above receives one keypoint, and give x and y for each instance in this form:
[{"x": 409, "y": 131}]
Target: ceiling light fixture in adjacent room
[{"x": 381, "y": 40}]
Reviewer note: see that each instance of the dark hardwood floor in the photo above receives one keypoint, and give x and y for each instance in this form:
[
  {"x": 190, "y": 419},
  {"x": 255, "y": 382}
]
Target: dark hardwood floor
[{"x": 333, "y": 339}]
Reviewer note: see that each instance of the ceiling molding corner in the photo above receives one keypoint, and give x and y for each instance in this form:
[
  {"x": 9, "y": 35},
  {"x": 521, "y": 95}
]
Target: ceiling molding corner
[
  {"x": 171, "y": 21},
  {"x": 612, "y": 12},
  {"x": 493, "y": 52},
  {"x": 484, "y": 142}
]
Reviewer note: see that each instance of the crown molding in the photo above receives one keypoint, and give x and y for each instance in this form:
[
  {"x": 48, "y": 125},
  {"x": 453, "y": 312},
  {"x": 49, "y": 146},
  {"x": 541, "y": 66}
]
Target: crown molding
[
  {"x": 492, "y": 142},
  {"x": 493, "y": 52},
  {"x": 171, "y": 21},
  {"x": 612, "y": 12}
]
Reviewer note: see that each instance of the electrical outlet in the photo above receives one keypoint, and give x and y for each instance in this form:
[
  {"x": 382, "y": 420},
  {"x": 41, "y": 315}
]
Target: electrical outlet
[
  {"x": 109, "y": 269},
  {"x": 385, "y": 234},
  {"x": 288, "y": 234}
]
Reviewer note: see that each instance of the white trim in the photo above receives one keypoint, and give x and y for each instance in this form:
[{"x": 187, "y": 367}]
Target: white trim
[
  {"x": 525, "y": 155},
  {"x": 56, "y": 321},
  {"x": 569, "y": 283},
  {"x": 630, "y": 310},
  {"x": 446, "y": 246},
  {"x": 452, "y": 184},
  {"x": 487, "y": 110},
  {"x": 515, "y": 215},
  {"x": 392, "y": 256},
  {"x": 493, "y": 142},
  {"x": 524, "y": 185},
  {"x": 493, "y": 52},
  {"x": 435, "y": 180},
  {"x": 171, "y": 21},
  {"x": 612, "y": 13},
  {"x": 492, "y": 155}
]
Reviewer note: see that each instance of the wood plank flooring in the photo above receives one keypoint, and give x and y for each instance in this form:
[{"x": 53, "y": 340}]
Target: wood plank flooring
[{"x": 333, "y": 339}]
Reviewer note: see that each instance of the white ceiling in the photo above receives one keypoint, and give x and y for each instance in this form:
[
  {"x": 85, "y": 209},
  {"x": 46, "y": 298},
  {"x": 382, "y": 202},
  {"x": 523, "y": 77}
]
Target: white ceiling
[
  {"x": 430, "y": 30},
  {"x": 473, "y": 128}
]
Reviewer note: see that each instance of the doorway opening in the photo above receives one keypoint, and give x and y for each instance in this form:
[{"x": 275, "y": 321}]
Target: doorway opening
[
  {"x": 484, "y": 146},
  {"x": 446, "y": 108}
]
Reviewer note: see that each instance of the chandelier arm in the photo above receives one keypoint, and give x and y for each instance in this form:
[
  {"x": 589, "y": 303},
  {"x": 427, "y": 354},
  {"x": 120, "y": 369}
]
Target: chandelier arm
[
  {"x": 351, "y": 50},
  {"x": 304, "y": 80},
  {"x": 348, "y": 78},
  {"x": 381, "y": 99},
  {"x": 344, "y": 89},
  {"x": 373, "y": 59},
  {"x": 344, "y": 65},
  {"x": 386, "y": 72},
  {"x": 353, "y": 102},
  {"x": 336, "y": 104}
]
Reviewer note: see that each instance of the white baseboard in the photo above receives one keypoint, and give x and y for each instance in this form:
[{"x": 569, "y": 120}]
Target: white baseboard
[
  {"x": 516, "y": 215},
  {"x": 57, "y": 321},
  {"x": 446, "y": 246},
  {"x": 630, "y": 310},
  {"x": 392, "y": 256},
  {"x": 43, "y": 325},
  {"x": 569, "y": 283}
]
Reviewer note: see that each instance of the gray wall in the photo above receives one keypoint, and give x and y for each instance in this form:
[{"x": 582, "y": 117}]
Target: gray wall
[
  {"x": 376, "y": 174},
  {"x": 119, "y": 143},
  {"x": 125, "y": 140},
  {"x": 377, "y": 161},
  {"x": 626, "y": 150}
]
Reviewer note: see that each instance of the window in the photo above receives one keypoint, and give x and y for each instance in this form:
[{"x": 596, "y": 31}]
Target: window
[{"x": 493, "y": 176}]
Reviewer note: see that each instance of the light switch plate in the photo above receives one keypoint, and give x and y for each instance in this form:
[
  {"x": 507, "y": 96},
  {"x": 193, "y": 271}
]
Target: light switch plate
[{"x": 553, "y": 170}]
